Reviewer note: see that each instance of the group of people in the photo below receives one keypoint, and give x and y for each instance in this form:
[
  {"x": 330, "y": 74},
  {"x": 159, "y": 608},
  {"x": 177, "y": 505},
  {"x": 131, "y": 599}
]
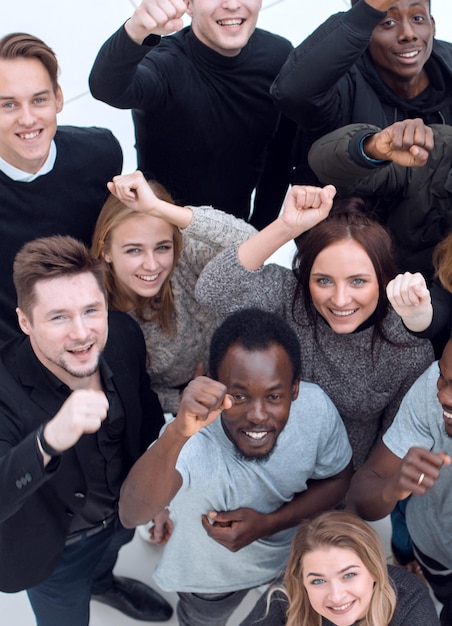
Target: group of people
[{"x": 154, "y": 366}]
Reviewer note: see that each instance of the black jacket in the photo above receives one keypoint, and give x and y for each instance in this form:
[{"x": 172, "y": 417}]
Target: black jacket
[
  {"x": 329, "y": 81},
  {"x": 37, "y": 503}
]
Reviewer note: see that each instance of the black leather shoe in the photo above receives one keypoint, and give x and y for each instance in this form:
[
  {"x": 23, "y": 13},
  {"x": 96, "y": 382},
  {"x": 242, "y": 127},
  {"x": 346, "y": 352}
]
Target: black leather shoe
[{"x": 137, "y": 600}]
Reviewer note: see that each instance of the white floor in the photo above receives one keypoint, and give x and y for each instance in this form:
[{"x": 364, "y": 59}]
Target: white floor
[{"x": 76, "y": 31}]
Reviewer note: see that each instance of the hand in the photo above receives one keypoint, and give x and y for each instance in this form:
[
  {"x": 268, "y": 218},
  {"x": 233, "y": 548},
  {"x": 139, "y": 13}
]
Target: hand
[
  {"x": 83, "y": 412},
  {"x": 162, "y": 529},
  {"x": 410, "y": 298},
  {"x": 306, "y": 206},
  {"x": 235, "y": 529},
  {"x": 418, "y": 472},
  {"x": 202, "y": 401},
  {"x": 156, "y": 17},
  {"x": 407, "y": 143},
  {"x": 134, "y": 191}
]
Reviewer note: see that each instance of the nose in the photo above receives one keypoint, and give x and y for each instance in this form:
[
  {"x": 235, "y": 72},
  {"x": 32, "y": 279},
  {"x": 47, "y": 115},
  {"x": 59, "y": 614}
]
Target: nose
[
  {"x": 27, "y": 116},
  {"x": 407, "y": 31},
  {"x": 341, "y": 296},
  {"x": 231, "y": 5},
  {"x": 257, "y": 413},
  {"x": 336, "y": 592},
  {"x": 150, "y": 262},
  {"x": 79, "y": 331},
  {"x": 444, "y": 394}
]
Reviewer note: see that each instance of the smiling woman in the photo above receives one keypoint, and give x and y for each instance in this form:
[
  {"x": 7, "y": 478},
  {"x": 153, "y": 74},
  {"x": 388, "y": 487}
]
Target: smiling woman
[
  {"x": 352, "y": 344},
  {"x": 337, "y": 576},
  {"x": 153, "y": 252}
]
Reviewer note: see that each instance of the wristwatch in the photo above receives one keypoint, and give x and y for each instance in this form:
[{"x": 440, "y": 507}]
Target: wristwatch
[{"x": 43, "y": 443}]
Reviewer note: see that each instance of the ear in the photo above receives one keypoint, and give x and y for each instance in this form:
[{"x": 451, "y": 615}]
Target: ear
[
  {"x": 24, "y": 322},
  {"x": 189, "y": 4},
  {"x": 106, "y": 257},
  {"x": 434, "y": 25},
  {"x": 59, "y": 99},
  {"x": 295, "y": 389}
]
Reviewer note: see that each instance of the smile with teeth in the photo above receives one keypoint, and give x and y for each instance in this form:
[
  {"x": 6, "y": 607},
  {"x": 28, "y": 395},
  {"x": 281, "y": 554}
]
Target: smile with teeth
[
  {"x": 447, "y": 414},
  {"x": 343, "y": 607},
  {"x": 343, "y": 313},
  {"x": 231, "y": 22},
  {"x": 148, "y": 279},
  {"x": 30, "y": 135},
  {"x": 81, "y": 349},
  {"x": 253, "y": 434},
  {"x": 409, "y": 55}
]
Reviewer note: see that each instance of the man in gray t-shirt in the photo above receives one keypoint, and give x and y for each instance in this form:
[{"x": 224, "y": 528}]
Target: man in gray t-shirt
[
  {"x": 415, "y": 459},
  {"x": 250, "y": 453}
]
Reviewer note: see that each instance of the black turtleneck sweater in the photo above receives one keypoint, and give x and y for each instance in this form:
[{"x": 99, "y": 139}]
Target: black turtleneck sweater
[{"x": 205, "y": 124}]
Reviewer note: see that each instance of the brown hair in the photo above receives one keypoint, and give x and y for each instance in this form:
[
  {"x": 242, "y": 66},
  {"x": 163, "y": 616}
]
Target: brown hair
[
  {"x": 159, "y": 308},
  {"x": 347, "y": 220},
  {"x": 338, "y": 529},
  {"x": 23, "y": 45},
  {"x": 442, "y": 261},
  {"x": 51, "y": 257}
]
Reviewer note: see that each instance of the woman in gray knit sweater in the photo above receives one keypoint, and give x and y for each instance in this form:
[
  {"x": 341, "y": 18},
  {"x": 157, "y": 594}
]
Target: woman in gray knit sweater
[
  {"x": 154, "y": 252},
  {"x": 352, "y": 343}
]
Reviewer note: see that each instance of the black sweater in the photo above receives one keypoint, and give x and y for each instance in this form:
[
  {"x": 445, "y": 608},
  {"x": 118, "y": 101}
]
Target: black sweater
[
  {"x": 65, "y": 201},
  {"x": 203, "y": 121}
]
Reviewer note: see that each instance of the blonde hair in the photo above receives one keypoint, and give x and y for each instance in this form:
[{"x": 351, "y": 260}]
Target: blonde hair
[
  {"x": 339, "y": 529},
  {"x": 442, "y": 262},
  {"x": 159, "y": 308}
]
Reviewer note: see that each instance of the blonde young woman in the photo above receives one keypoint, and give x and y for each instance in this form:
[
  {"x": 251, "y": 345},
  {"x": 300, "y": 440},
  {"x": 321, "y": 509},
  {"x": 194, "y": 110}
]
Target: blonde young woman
[
  {"x": 337, "y": 575},
  {"x": 154, "y": 252}
]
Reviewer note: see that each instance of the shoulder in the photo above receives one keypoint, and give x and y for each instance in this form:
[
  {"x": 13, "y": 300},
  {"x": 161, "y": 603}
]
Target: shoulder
[
  {"x": 125, "y": 338},
  {"x": 443, "y": 51},
  {"x": 413, "y": 598},
  {"x": 98, "y": 139},
  {"x": 267, "y": 38}
]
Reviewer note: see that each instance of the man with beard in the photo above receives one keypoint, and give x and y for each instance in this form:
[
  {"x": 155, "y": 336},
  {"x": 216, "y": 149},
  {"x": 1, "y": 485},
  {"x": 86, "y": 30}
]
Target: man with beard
[
  {"x": 251, "y": 452},
  {"x": 415, "y": 459},
  {"x": 73, "y": 419}
]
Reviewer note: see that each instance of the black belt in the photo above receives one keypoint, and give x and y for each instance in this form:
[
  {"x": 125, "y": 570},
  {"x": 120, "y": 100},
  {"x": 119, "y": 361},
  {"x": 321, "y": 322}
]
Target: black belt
[{"x": 89, "y": 532}]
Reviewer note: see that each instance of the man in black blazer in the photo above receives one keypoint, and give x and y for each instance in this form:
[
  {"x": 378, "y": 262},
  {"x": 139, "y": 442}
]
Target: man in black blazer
[{"x": 76, "y": 411}]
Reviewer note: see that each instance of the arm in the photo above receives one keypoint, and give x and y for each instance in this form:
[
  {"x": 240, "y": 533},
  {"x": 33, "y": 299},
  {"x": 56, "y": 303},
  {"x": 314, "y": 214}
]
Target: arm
[
  {"x": 304, "y": 208},
  {"x": 274, "y": 179},
  {"x": 307, "y": 89},
  {"x": 385, "y": 478},
  {"x": 153, "y": 481},
  {"x": 117, "y": 77},
  {"x": 236, "y": 529},
  {"x": 83, "y": 412}
]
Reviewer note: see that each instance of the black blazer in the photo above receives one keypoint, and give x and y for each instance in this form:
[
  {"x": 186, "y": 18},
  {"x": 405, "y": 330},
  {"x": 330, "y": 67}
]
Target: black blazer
[{"x": 36, "y": 505}]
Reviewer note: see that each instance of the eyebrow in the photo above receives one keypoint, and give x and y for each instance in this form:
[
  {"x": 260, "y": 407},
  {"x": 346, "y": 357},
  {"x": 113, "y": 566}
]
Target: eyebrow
[
  {"x": 158, "y": 243},
  {"x": 44, "y": 92},
  {"x": 90, "y": 305},
  {"x": 342, "y": 571},
  {"x": 352, "y": 276}
]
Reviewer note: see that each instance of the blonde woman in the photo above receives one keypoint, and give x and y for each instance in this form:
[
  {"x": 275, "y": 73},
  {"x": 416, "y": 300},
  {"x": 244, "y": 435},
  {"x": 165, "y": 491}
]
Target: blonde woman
[{"x": 337, "y": 575}]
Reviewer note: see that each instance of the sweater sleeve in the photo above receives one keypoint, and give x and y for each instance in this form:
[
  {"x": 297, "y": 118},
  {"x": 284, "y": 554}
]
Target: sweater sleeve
[
  {"x": 414, "y": 605},
  {"x": 227, "y": 286},
  {"x": 117, "y": 76},
  {"x": 209, "y": 233},
  {"x": 306, "y": 89}
]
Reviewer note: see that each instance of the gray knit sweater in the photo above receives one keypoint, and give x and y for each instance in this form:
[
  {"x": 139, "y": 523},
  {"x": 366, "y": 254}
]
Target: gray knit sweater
[
  {"x": 173, "y": 357},
  {"x": 366, "y": 385}
]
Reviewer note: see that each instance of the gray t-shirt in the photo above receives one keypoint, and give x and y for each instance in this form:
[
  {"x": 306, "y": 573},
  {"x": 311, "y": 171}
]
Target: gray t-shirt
[
  {"x": 313, "y": 445},
  {"x": 419, "y": 422}
]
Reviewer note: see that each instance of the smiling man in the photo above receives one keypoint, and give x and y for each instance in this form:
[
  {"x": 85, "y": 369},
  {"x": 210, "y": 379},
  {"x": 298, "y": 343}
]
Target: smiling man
[
  {"x": 76, "y": 410},
  {"x": 415, "y": 459},
  {"x": 377, "y": 63},
  {"x": 205, "y": 124},
  {"x": 52, "y": 178},
  {"x": 250, "y": 453}
]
